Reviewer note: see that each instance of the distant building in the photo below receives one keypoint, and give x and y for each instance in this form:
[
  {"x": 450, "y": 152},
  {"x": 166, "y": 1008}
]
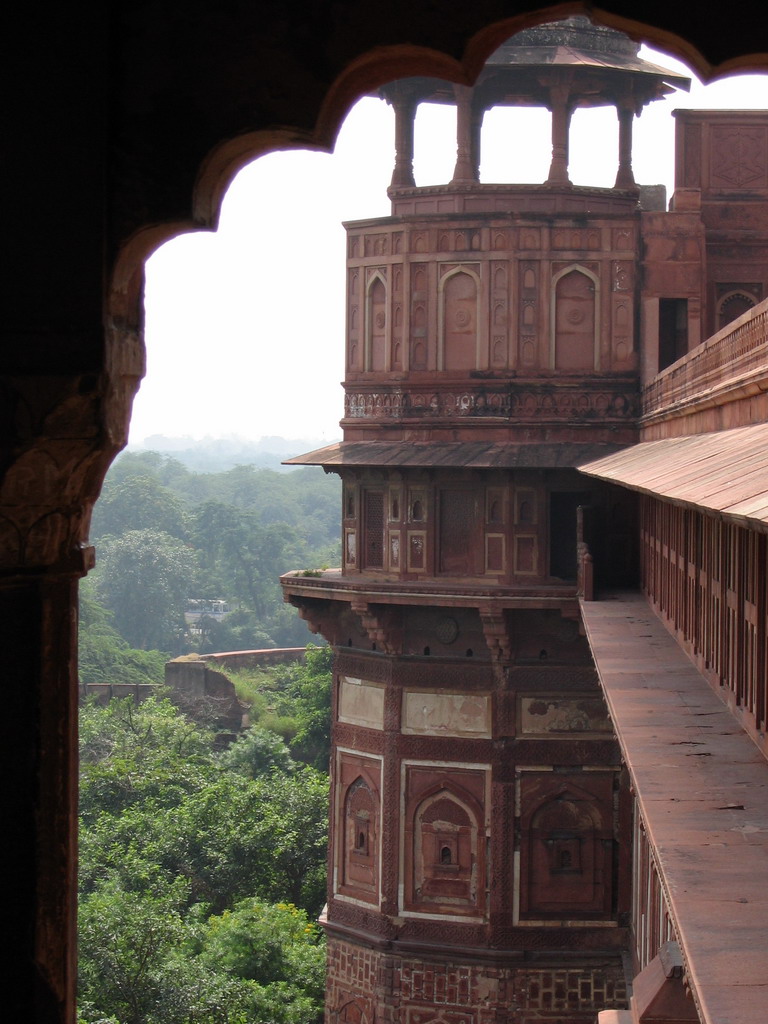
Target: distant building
[
  {"x": 555, "y": 421},
  {"x": 198, "y": 608}
]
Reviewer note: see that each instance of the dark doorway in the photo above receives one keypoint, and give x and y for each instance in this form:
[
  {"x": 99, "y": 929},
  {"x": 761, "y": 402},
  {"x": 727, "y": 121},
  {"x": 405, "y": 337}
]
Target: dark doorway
[
  {"x": 562, "y": 532},
  {"x": 673, "y": 331}
]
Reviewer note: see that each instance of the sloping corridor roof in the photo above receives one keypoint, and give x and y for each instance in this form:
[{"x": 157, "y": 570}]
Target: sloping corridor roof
[
  {"x": 702, "y": 787},
  {"x": 455, "y": 454},
  {"x": 725, "y": 472}
]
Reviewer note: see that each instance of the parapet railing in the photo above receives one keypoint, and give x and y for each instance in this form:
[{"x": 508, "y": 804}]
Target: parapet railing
[{"x": 739, "y": 350}]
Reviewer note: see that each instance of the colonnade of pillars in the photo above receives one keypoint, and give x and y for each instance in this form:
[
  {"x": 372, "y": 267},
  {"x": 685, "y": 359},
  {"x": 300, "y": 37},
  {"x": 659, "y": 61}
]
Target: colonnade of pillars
[{"x": 469, "y": 119}]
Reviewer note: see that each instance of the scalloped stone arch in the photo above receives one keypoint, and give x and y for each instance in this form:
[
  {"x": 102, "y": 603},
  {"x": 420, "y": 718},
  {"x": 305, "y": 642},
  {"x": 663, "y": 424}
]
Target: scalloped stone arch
[
  {"x": 362, "y": 75},
  {"x": 731, "y": 298},
  {"x": 109, "y": 287}
]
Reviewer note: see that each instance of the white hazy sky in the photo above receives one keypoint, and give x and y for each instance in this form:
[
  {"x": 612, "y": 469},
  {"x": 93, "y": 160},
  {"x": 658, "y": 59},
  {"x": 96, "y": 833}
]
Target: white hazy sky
[{"x": 245, "y": 326}]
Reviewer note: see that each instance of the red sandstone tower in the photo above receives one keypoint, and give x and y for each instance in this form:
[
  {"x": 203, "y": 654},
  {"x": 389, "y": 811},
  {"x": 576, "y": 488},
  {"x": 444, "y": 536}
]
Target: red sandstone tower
[{"x": 480, "y": 825}]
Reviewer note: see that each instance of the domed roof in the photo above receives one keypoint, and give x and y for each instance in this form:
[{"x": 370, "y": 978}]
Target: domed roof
[
  {"x": 600, "y": 63},
  {"x": 577, "y": 33},
  {"x": 578, "y": 43}
]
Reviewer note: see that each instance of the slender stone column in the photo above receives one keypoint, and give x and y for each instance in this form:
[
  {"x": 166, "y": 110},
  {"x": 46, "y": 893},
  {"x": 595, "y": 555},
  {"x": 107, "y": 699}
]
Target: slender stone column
[
  {"x": 466, "y": 169},
  {"x": 624, "y": 176},
  {"x": 405, "y": 112},
  {"x": 476, "y": 125},
  {"x": 561, "y": 119}
]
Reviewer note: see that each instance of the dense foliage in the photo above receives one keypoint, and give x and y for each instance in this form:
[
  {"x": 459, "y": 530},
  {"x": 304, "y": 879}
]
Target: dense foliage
[
  {"x": 165, "y": 534},
  {"x": 201, "y": 871}
]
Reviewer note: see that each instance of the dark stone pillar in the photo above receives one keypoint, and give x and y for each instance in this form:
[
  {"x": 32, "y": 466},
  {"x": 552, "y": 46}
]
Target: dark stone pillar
[
  {"x": 38, "y": 624},
  {"x": 405, "y": 112},
  {"x": 60, "y": 434},
  {"x": 466, "y": 170},
  {"x": 624, "y": 176}
]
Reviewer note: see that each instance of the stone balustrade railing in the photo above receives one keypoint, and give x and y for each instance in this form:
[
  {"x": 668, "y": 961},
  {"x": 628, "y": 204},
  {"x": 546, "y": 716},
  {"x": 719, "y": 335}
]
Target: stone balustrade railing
[{"x": 739, "y": 350}]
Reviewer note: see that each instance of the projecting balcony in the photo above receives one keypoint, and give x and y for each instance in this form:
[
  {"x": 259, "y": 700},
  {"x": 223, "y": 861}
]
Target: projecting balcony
[
  {"x": 331, "y": 584},
  {"x": 369, "y": 610}
]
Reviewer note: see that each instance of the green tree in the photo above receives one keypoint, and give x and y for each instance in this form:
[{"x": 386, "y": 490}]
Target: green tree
[
  {"x": 138, "y": 502},
  {"x": 235, "y": 545},
  {"x": 257, "y": 752},
  {"x": 144, "y": 578},
  {"x": 131, "y": 755},
  {"x": 243, "y": 527},
  {"x": 238, "y": 837},
  {"x": 125, "y": 939},
  {"x": 309, "y": 690},
  {"x": 105, "y": 657},
  {"x": 276, "y": 946}
]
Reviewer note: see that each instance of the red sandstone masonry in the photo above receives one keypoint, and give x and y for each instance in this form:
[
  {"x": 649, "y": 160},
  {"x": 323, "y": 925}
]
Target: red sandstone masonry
[{"x": 429, "y": 991}]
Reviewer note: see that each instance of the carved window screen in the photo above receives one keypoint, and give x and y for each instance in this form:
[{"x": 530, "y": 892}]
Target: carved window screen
[{"x": 374, "y": 530}]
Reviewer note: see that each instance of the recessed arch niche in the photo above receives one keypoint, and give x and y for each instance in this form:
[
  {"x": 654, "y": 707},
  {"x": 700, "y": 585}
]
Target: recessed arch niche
[
  {"x": 575, "y": 339},
  {"x": 376, "y": 323},
  {"x": 566, "y": 849},
  {"x": 731, "y": 306},
  {"x": 445, "y": 857},
  {"x": 458, "y": 327}
]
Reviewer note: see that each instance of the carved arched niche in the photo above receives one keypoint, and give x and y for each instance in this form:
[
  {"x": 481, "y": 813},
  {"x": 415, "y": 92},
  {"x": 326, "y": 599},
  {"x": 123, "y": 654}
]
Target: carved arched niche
[
  {"x": 575, "y": 342},
  {"x": 445, "y": 857},
  {"x": 376, "y": 324},
  {"x": 459, "y": 321},
  {"x": 732, "y": 305},
  {"x": 566, "y": 856},
  {"x": 359, "y": 840}
]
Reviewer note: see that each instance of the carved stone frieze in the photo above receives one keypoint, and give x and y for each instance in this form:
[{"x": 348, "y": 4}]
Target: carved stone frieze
[
  {"x": 518, "y": 402},
  {"x": 563, "y": 990},
  {"x": 354, "y": 663}
]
